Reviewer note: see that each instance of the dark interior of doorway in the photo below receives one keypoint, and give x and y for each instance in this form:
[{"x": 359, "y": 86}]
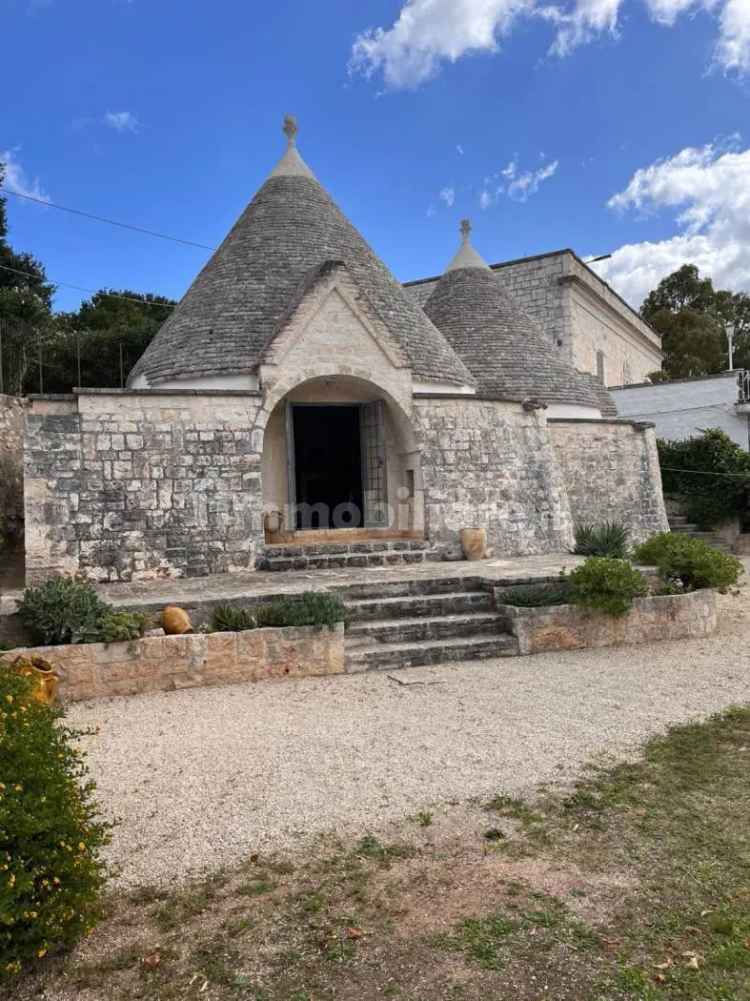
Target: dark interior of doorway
[{"x": 328, "y": 465}]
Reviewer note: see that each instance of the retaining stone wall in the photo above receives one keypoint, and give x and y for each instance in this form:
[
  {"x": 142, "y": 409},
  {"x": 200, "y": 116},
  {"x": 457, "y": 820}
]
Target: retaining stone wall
[
  {"x": 567, "y": 627},
  {"x": 611, "y": 472},
  {"x": 168, "y": 663},
  {"x": 125, "y": 486},
  {"x": 491, "y": 465},
  {"x": 11, "y": 464}
]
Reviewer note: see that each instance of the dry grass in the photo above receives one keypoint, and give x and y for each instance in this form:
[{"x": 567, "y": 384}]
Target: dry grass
[{"x": 635, "y": 884}]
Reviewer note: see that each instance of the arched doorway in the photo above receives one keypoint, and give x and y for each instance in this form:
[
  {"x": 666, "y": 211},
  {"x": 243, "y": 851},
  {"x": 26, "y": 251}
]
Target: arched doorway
[{"x": 340, "y": 458}]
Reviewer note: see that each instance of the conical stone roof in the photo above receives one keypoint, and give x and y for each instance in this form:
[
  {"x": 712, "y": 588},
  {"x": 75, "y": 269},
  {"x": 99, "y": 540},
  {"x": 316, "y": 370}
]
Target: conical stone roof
[
  {"x": 499, "y": 343},
  {"x": 233, "y": 308}
]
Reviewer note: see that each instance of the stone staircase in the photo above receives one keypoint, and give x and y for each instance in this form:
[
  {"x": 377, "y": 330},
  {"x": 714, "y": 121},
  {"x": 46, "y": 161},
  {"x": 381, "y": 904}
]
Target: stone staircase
[
  {"x": 343, "y": 555},
  {"x": 415, "y": 622},
  {"x": 679, "y": 523}
]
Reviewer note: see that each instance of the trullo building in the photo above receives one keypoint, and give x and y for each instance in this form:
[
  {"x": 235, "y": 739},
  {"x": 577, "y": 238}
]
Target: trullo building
[{"x": 301, "y": 408}]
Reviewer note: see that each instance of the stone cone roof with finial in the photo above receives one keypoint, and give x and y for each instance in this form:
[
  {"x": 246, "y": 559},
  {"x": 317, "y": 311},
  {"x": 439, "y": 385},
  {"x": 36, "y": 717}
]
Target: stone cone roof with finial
[
  {"x": 499, "y": 343},
  {"x": 288, "y": 232}
]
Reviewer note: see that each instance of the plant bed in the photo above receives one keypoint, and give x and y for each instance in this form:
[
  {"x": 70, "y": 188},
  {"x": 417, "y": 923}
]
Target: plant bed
[
  {"x": 571, "y": 627},
  {"x": 168, "y": 663}
]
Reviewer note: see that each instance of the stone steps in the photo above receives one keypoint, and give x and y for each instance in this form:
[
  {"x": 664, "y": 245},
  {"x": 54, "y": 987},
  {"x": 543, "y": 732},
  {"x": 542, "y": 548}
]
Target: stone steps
[
  {"x": 425, "y": 621},
  {"x": 340, "y": 556},
  {"x": 679, "y": 525},
  {"x": 420, "y": 605},
  {"x": 419, "y": 628},
  {"x": 380, "y": 656}
]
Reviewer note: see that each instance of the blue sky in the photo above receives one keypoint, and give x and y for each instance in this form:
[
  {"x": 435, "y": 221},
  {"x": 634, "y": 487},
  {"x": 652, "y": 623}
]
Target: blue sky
[{"x": 608, "y": 126}]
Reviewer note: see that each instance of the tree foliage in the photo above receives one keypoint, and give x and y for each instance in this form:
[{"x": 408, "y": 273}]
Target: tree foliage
[
  {"x": 710, "y": 472},
  {"x": 692, "y": 317}
]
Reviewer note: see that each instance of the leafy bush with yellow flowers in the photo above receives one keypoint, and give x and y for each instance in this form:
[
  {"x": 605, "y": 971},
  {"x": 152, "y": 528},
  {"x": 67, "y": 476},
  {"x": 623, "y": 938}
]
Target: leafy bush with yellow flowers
[{"x": 51, "y": 832}]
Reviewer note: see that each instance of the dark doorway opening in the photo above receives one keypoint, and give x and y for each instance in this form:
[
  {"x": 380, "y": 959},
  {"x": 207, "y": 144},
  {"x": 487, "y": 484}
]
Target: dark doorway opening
[{"x": 328, "y": 466}]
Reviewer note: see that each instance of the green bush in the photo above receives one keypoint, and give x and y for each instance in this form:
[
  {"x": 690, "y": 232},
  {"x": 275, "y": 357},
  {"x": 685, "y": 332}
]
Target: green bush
[
  {"x": 710, "y": 473},
  {"x": 62, "y": 610},
  {"x": 536, "y": 595},
  {"x": 119, "y": 627},
  {"x": 691, "y": 561},
  {"x": 231, "y": 619},
  {"x": 309, "y": 609},
  {"x": 51, "y": 834},
  {"x": 606, "y": 585},
  {"x": 608, "y": 539}
]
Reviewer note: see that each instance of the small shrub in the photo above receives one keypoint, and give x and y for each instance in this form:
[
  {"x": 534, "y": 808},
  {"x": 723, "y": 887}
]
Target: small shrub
[
  {"x": 119, "y": 627},
  {"x": 608, "y": 539},
  {"x": 231, "y": 619},
  {"x": 606, "y": 585},
  {"x": 62, "y": 610},
  {"x": 51, "y": 834},
  {"x": 710, "y": 472},
  {"x": 690, "y": 561},
  {"x": 309, "y": 609},
  {"x": 536, "y": 595}
]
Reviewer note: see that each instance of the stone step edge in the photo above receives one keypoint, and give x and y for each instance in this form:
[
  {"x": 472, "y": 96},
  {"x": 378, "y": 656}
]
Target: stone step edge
[
  {"x": 499, "y": 644},
  {"x": 367, "y": 626},
  {"x": 345, "y": 548},
  {"x": 414, "y": 599}
]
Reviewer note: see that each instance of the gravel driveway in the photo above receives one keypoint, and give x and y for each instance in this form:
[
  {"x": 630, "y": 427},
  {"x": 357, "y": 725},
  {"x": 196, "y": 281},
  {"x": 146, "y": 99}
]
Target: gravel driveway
[{"x": 202, "y": 778}]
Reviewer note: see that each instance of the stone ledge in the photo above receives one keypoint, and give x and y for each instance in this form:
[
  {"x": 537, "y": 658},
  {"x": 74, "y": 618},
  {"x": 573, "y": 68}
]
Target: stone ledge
[
  {"x": 171, "y": 663},
  {"x": 568, "y": 627}
]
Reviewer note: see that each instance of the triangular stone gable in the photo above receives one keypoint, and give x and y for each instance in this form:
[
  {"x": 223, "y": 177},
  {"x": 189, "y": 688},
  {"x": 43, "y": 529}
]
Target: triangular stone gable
[{"x": 332, "y": 318}]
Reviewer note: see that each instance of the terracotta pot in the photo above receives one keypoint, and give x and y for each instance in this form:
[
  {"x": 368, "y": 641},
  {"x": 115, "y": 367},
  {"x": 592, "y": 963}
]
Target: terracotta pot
[
  {"x": 175, "y": 621},
  {"x": 43, "y": 676},
  {"x": 273, "y": 522},
  {"x": 474, "y": 543}
]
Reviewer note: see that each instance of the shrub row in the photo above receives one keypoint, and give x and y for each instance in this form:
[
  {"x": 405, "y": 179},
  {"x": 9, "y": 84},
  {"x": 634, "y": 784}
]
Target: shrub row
[
  {"x": 309, "y": 609},
  {"x": 68, "y": 610}
]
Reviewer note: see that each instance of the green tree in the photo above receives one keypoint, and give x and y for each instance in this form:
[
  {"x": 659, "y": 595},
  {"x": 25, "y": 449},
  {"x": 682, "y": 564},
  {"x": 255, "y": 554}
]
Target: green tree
[
  {"x": 692, "y": 317},
  {"x": 25, "y": 302}
]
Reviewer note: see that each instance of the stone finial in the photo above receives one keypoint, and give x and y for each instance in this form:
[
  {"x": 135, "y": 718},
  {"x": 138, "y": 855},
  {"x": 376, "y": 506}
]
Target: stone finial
[
  {"x": 466, "y": 257},
  {"x": 466, "y": 229},
  {"x": 290, "y": 129}
]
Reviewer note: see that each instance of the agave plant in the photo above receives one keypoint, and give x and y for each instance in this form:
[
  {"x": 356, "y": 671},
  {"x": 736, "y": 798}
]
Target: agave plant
[{"x": 608, "y": 539}]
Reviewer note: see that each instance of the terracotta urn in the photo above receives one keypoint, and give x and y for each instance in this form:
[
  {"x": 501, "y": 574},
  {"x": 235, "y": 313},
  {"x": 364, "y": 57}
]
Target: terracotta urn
[
  {"x": 42, "y": 674},
  {"x": 175, "y": 621},
  {"x": 474, "y": 543}
]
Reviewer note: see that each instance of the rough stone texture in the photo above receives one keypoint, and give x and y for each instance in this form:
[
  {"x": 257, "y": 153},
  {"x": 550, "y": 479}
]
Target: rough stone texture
[
  {"x": 567, "y": 627},
  {"x": 167, "y": 663},
  {"x": 124, "y": 486},
  {"x": 11, "y": 464},
  {"x": 579, "y": 313},
  {"x": 611, "y": 473},
  {"x": 230, "y": 314},
  {"x": 491, "y": 465}
]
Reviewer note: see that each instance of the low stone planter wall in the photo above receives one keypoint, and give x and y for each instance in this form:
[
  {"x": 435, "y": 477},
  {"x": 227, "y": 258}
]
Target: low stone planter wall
[
  {"x": 167, "y": 663},
  {"x": 568, "y": 627}
]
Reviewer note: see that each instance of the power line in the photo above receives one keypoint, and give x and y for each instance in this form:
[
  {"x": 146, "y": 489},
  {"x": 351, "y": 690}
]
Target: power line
[
  {"x": 91, "y": 291},
  {"x": 110, "y": 222}
]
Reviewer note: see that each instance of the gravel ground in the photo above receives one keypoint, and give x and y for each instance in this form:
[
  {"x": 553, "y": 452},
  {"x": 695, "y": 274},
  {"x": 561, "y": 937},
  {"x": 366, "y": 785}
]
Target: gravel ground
[{"x": 202, "y": 778}]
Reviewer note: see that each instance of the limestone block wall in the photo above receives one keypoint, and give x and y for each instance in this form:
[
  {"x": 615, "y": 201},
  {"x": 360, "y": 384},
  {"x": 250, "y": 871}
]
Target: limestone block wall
[
  {"x": 491, "y": 465},
  {"x": 11, "y": 464},
  {"x": 534, "y": 283},
  {"x": 611, "y": 473},
  {"x": 126, "y": 485}
]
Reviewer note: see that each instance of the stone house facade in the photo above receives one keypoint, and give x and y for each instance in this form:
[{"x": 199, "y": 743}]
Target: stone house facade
[{"x": 298, "y": 395}]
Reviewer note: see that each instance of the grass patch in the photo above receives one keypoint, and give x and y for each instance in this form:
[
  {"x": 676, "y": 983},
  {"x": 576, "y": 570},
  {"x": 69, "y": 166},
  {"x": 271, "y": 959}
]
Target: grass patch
[{"x": 633, "y": 885}]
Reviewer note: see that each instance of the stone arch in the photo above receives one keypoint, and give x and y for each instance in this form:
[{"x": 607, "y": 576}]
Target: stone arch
[{"x": 341, "y": 388}]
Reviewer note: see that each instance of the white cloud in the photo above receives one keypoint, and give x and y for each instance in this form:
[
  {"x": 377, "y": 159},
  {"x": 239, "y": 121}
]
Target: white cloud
[
  {"x": 460, "y": 150},
  {"x": 448, "y": 195},
  {"x": 485, "y": 200},
  {"x": 430, "y": 33},
  {"x": 708, "y": 190},
  {"x": 510, "y": 170},
  {"x": 16, "y": 179},
  {"x": 122, "y": 121},
  {"x": 523, "y": 186}
]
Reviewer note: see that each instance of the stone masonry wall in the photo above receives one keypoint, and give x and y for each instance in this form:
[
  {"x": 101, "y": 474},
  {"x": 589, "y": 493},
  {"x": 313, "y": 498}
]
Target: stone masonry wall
[
  {"x": 491, "y": 465},
  {"x": 611, "y": 471},
  {"x": 11, "y": 465},
  {"x": 136, "y": 485}
]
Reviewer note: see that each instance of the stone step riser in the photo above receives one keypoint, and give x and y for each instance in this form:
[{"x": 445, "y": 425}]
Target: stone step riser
[
  {"x": 346, "y": 561},
  {"x": 420, "y": 605},
  {"x": 430, "y": 653},
  {"x": 344, "y": 549},
  {"x": 400, "y": 631},
  {"x": 409, "y": 588}
]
